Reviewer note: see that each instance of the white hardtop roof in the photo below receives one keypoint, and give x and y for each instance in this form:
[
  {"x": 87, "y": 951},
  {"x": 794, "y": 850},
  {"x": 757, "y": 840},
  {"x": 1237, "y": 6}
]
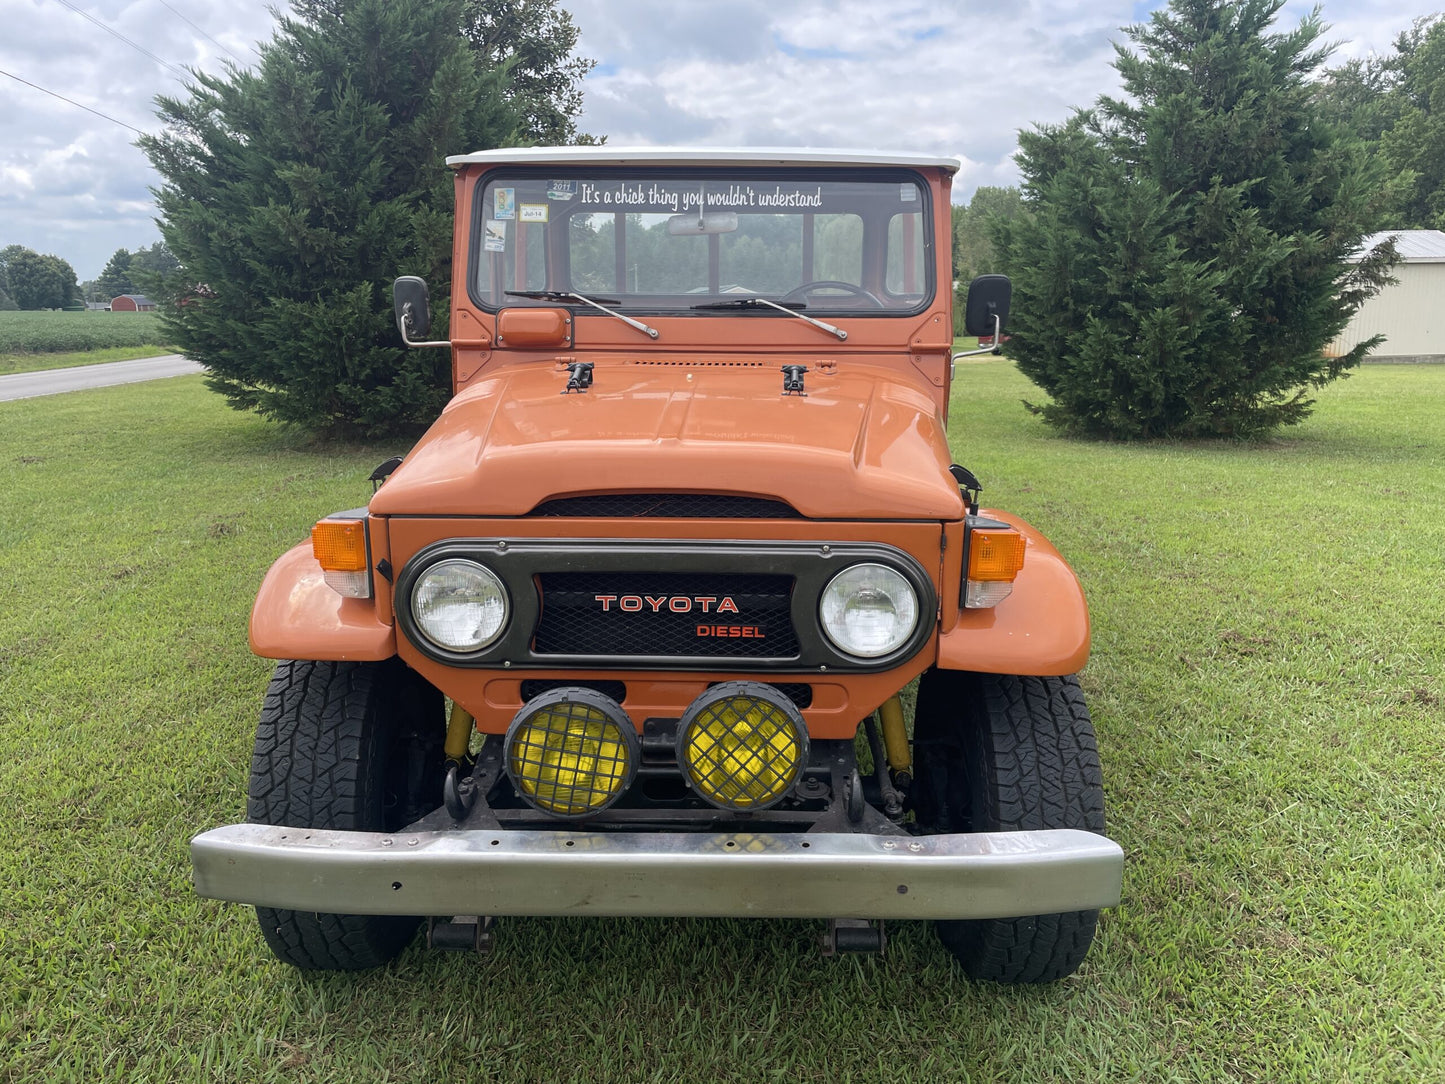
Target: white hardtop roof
[
  {"x": 677, "y": 156},
  {"x": 1414, "y": 246}
]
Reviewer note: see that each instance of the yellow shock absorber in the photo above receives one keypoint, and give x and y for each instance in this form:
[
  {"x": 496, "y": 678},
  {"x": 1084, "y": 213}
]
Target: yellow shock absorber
[
  {"x": 895, "y": 736},
  {"x": 459, "y": 733}
]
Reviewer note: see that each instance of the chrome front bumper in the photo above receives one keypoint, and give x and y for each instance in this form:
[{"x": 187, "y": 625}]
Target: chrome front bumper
[{"x": 814, "y": 875}]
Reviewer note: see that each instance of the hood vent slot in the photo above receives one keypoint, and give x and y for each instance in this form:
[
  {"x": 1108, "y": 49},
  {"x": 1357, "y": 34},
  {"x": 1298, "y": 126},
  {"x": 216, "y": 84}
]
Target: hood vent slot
[
  {"x": 702, "y": 364},
  {"x": 665, "y": 506}
]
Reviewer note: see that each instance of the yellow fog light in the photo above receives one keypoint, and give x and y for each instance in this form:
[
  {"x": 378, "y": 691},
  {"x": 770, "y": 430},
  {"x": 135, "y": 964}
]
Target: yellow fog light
[
  {"x": 742, "y": 745},
  {"x": 571, "y": 752}
]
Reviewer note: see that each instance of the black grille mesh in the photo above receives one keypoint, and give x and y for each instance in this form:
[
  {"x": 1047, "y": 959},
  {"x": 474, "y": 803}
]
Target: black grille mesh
[
  {"x": 535, "y": 687},
  {"x": 799, "y": 693},
  {"x": 666, "y": 505},
  {"x": 575, "y": 623}
]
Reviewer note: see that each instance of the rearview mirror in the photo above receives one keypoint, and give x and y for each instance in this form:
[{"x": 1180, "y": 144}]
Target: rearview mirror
[
  {"x": 413, "y": 307},
  {"x": 986, "y": 310},
  {"x": 700, "y": 224}
]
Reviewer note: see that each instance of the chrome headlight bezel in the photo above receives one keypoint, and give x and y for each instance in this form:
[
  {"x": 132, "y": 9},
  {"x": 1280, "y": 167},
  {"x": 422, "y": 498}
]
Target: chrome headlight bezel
[
  {"x": 882, "y": 579},
  {"x": 490, "y": 587}
]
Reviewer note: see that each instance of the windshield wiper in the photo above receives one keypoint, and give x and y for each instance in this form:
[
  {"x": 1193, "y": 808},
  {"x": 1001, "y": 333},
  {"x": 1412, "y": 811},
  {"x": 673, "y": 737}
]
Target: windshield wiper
[
  {"x": 567, "y": 295},
  {"x": 754, "y": 302}
]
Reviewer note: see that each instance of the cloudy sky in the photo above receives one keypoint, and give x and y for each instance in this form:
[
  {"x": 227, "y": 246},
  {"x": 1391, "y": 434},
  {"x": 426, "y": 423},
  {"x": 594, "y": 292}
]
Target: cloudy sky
[{"x": 957, "y": 77}]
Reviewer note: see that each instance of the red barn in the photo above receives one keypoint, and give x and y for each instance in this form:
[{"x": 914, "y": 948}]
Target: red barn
[{"x": 131, "y": 303}]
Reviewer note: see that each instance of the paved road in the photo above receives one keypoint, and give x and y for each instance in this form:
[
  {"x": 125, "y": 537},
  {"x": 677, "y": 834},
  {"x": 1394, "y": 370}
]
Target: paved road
[{"x": 53, "y": 381}]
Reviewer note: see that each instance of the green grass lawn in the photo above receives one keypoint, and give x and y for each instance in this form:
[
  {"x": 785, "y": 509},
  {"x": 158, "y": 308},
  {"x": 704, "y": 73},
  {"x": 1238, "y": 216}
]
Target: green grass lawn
[{"x": 1266, "y": 683}]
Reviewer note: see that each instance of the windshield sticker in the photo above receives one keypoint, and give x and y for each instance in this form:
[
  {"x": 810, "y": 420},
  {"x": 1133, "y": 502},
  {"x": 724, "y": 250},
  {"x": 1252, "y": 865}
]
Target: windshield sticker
[
  {"x": 505, "y": 203},
  {"x": 907, "y": 192},
  {"x": 672, "y": 199},
  {"x": 561, "y": 189},
  {"x": 534, "y": 212},
  {"x": 496, "y": 239}
]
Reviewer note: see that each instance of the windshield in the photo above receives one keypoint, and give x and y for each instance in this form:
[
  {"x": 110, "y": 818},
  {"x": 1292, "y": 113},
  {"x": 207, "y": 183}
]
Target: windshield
[{"x": 680, "y": 241}]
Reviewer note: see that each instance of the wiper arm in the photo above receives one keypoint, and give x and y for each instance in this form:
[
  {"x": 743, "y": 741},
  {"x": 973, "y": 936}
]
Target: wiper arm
[
  {"x": 746, "y": 303},
  {"x": 754, "y": 302},
  {"x": 567, "y": 295}
]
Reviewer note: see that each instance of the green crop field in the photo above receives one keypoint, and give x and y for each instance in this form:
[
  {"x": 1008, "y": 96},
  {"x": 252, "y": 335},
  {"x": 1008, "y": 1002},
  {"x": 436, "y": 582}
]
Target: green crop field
[
  {"x": 1269, "y": 644},
  {"x": 49, "y": 340}
]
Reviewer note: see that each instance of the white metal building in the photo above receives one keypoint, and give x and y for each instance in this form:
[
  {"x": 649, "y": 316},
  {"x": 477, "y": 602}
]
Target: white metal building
[{"x": 1410, "y": 312}]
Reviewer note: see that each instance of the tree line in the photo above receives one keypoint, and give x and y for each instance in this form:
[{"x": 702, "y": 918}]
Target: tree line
[{"x": 29, "y": 280}]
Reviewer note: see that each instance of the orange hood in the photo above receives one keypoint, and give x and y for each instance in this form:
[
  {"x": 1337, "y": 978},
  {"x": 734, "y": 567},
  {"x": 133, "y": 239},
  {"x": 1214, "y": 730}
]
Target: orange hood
[{"x": 864, "y": 443}]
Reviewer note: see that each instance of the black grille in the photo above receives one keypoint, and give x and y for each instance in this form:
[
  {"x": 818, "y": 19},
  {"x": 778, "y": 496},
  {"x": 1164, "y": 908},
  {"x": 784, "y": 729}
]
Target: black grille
[
  {"x": 799, "y": 693},
  {"x": 643, "y": 614},
  {"x": 616, "y": 690},
  {"x": 666, "y": 505}
]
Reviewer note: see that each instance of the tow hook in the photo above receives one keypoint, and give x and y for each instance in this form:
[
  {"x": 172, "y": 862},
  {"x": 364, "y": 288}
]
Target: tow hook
[
  {"x": 463, "y": 933},
  {"x": 853, "y": 936}
]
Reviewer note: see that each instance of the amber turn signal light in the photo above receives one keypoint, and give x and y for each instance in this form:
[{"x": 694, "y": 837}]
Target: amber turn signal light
[
  {"x": 340, "y": 545},
  {"x": 995, "y": 555}
]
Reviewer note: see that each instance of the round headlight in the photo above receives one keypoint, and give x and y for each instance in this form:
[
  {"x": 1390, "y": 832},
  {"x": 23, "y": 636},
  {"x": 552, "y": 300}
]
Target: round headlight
[
  {"x": 459, "y": 605},
  {"x": 868, "y": 610}
]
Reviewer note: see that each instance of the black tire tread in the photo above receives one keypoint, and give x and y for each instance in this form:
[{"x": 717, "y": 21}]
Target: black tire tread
[
  {"x": 322, "y": 745},
  {"x": 1006, "y": 753}
]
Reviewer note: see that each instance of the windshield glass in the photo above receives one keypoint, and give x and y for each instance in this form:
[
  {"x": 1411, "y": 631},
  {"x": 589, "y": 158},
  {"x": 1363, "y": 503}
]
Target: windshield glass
[{"x": 660, "y": 241}]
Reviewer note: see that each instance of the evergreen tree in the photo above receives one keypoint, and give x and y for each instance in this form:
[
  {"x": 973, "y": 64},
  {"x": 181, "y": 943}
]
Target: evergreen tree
[
  {"x": 534, "y": 40},
  {"x": 115, "y": 278},
  {"x": 293, "y": 196},
  {"x": 1413, "y": 146},
  {"x": 973, "y": 253},
  {"x": 1395, "y": 102},
  {"x": 1180, "y": 268}
]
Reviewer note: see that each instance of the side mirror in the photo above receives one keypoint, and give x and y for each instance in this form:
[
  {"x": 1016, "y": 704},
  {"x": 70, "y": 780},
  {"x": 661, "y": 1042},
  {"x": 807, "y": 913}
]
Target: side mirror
[
  {"x": 413, "y": 307},
  {"x": 986, "y": 310}
]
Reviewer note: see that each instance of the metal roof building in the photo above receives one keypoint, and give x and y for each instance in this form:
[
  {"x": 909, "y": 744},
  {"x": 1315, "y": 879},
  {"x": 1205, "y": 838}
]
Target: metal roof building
[{"x": 1410, "y": 312}]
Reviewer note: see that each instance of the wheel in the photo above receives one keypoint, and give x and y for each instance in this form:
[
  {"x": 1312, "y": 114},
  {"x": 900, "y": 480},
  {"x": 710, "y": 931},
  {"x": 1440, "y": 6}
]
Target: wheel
[
  {"x": 800, "y": 293},
  {"x": 998, "y": 753},
  {"x": 354, "y": 746}
]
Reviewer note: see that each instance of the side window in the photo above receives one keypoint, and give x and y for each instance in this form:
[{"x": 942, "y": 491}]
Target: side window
[
  {"x": 763, "y": 256},
  {"x": 906, "y": 275},
  {"x": 658, "y": 263},
  {"x": 838, "y": 249},
  {"x": 513, "y": 252},
  {"x": 592, "y": 241}
]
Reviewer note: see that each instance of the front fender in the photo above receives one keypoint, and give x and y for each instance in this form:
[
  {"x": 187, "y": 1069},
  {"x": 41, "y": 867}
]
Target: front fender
[
  {"x": 1041, "y": 629},
  {"x": 297, "y": 616}
]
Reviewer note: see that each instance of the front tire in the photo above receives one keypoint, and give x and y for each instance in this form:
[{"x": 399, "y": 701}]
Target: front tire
[
  {"x": 353, "y": 747},
  {"x": 996, "y": 753}
]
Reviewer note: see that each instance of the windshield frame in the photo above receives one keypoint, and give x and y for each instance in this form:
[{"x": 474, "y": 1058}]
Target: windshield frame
[{"x": 722, "y": 173}]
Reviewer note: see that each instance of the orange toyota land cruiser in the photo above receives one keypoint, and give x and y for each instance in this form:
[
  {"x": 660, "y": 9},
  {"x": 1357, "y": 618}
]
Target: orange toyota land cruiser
[{"x": 632, "y": 629}]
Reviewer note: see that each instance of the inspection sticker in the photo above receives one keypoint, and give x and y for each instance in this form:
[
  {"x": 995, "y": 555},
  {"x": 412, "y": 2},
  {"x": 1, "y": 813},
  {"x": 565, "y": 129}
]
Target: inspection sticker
[
  {"x": 561, "y": 189},
  {"x": 534, "y": 212}
]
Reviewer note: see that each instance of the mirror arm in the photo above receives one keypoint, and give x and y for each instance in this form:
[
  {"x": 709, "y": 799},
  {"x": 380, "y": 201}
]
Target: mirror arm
[
  {"x": 996, "y": 348},
  {"x": 406, "y": 322}
]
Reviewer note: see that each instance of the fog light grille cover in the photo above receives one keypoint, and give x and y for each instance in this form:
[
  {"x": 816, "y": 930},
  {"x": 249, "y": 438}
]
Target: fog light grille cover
[
  {"x": 571, "y": 752},
  {"x": 742, "y": 745}
]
